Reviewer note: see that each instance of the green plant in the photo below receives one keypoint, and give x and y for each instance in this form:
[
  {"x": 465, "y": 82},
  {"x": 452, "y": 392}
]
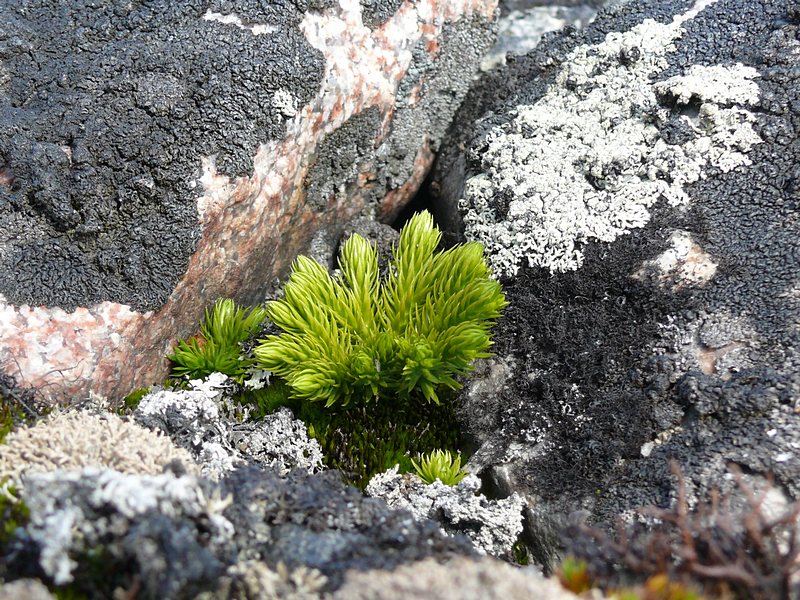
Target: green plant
[
  {"x": 6, "y": 420},
  {"x": 218, "y": 349},
  {"x": 574, "y": 575},
  {"x": 361, "y": 441},
  {"x": 13, "y": 513},
  {"x": 354, "y": 337},
  {"x": 441, "y": 465},
  {"x": 131, "y": 401},
  {"x": 267, "y": 400},
  {"x": 520, "y": 554}
]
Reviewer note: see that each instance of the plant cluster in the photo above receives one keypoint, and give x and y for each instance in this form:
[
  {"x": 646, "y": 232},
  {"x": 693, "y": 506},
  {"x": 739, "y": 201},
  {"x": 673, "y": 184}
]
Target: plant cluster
[
  {"x": 715, "y": 548},
  {"x": 396, "y": 344},
  {"x": 219, "y": 347},
  {"x": 441, "y": 465},
  {"x": 355, "y": 338},
  {"x": 361, "y": 441}
]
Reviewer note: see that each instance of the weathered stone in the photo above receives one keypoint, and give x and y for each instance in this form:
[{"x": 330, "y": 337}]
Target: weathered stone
[
  {"x": 493, "y": 526},
  {"x": 637, "y": 186},
  {"x": 175, "y": 535},
  {"x": 191, "y": 151},
  {"x": 458, "y": 579}
]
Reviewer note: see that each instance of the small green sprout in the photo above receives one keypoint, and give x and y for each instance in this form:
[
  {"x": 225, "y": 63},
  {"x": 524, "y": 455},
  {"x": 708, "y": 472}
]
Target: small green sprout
[
  {"x": 574, "y": 575},
  {"x": 355, "y": 337},
  {"x": 218, "y": 349},
  {"x": 441, "y": 465}
]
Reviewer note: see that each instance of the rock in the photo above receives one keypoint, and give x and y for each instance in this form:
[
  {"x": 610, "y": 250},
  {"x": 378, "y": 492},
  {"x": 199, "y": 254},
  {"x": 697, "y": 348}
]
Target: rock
[
  {"x": 636, "y": 185},
  {"x": 318, "y": 522},
  {"x": 168, "y": 526},
  {"x": 493, "y": 526},
  {"x": 197, "y": 420},
  {"x": 458, "y": 579},
  {"x": 29, "y": 589},
  {"x": 522, "y": 24},
  {"x": 179, "y": 536},
  {"x": 190, "y": 152},
  {"x": 78, "y": 439}
]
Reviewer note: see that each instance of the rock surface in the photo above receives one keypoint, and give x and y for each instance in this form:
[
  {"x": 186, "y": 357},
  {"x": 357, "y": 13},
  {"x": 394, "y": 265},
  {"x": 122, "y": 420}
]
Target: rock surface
[
  {"x": 493, "y": 526},
  {"x": 178, "y": 535},
  {"x": 196, "y": 420},
  {"x": 638, "y": 186},
  {"x": 459, "y": 579},
  {"x": 190, "y": 152}
]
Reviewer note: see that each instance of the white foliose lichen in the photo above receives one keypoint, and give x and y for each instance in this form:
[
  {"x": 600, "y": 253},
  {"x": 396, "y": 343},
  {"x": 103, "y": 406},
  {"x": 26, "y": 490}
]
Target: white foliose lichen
[
  {"x": 587, "y": 160},
  {"x": 73, "y": 511},
  {"x": 199, "y": 419},
  {"x": 493, "y": 526}
]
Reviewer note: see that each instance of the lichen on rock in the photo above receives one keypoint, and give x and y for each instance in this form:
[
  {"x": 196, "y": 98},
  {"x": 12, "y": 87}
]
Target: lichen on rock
[
  {"x": 587, "y": 161},
  {"x": 493, "y": 526},
  {"x": 198, "y": 420},
  {"x": 130, "y": 516}
]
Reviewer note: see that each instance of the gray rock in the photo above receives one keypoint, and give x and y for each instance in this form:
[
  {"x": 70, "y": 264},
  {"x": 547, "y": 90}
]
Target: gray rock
[
  {"x": 458, "y": 579},
  {"x": 493, "y": 526},
  {"x": 169, "y": 526},
  {"x": 192, "y": 151},
  {"x": 523, "y": 23},
  {"x": 316, "y": 521},
  {"x": 179, "y": 536},
  {"x": 651, "y": 222}
]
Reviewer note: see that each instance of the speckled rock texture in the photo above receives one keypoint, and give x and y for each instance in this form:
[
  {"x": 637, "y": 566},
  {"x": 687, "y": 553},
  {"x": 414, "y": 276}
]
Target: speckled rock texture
[
  {"x": 522, "y": 23},
  {"x": 155, "y": 156},
  {"x": 638, "y": 186},
  {"x": 492, "y": 525},
  {"x": 174, "y": 535}
]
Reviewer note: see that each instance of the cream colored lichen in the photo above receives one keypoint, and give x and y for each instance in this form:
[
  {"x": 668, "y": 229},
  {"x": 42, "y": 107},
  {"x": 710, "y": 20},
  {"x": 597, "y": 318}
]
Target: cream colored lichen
[
  {"x": 77, "y": 439},
  {"x": 255, "y": 580}
]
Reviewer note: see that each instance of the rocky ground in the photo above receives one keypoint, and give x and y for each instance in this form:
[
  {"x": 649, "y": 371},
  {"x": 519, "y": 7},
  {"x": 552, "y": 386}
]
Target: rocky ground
[{"x": 635, "y": 179}]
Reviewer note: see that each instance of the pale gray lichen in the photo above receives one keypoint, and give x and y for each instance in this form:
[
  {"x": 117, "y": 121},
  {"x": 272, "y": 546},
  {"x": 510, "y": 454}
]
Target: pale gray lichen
[
  {"x": 587, "y": 160},
  {"x": 200, "y": 420},
  {"x": 255, "y": 580},
  {"x": 25, "y": 589},
  {"x": 278, "y": 441},
  {"x": 72, "y": 512},
  {"x": 493, "y": 526},
  {"x": 463, "y": 578},
  {"x": 78, "y": 439}
]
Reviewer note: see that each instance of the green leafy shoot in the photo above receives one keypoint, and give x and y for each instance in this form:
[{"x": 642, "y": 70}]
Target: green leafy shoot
[
  {"x": 354, "y": 337},
  {"x": 218, "y": 348},
  {"x": 129, "y": 403},
  {"x": 574, "y": 575},
  {"x": 441, "y": 465}
]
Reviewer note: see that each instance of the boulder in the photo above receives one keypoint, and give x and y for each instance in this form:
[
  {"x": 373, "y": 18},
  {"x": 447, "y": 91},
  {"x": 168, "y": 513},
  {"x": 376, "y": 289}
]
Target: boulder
[
  {"x": 458, "y": 579},
  {"x": 156, "y": 156},
  {"x": 637, "y": 185},
  {"x": 174, "y": 535}
]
